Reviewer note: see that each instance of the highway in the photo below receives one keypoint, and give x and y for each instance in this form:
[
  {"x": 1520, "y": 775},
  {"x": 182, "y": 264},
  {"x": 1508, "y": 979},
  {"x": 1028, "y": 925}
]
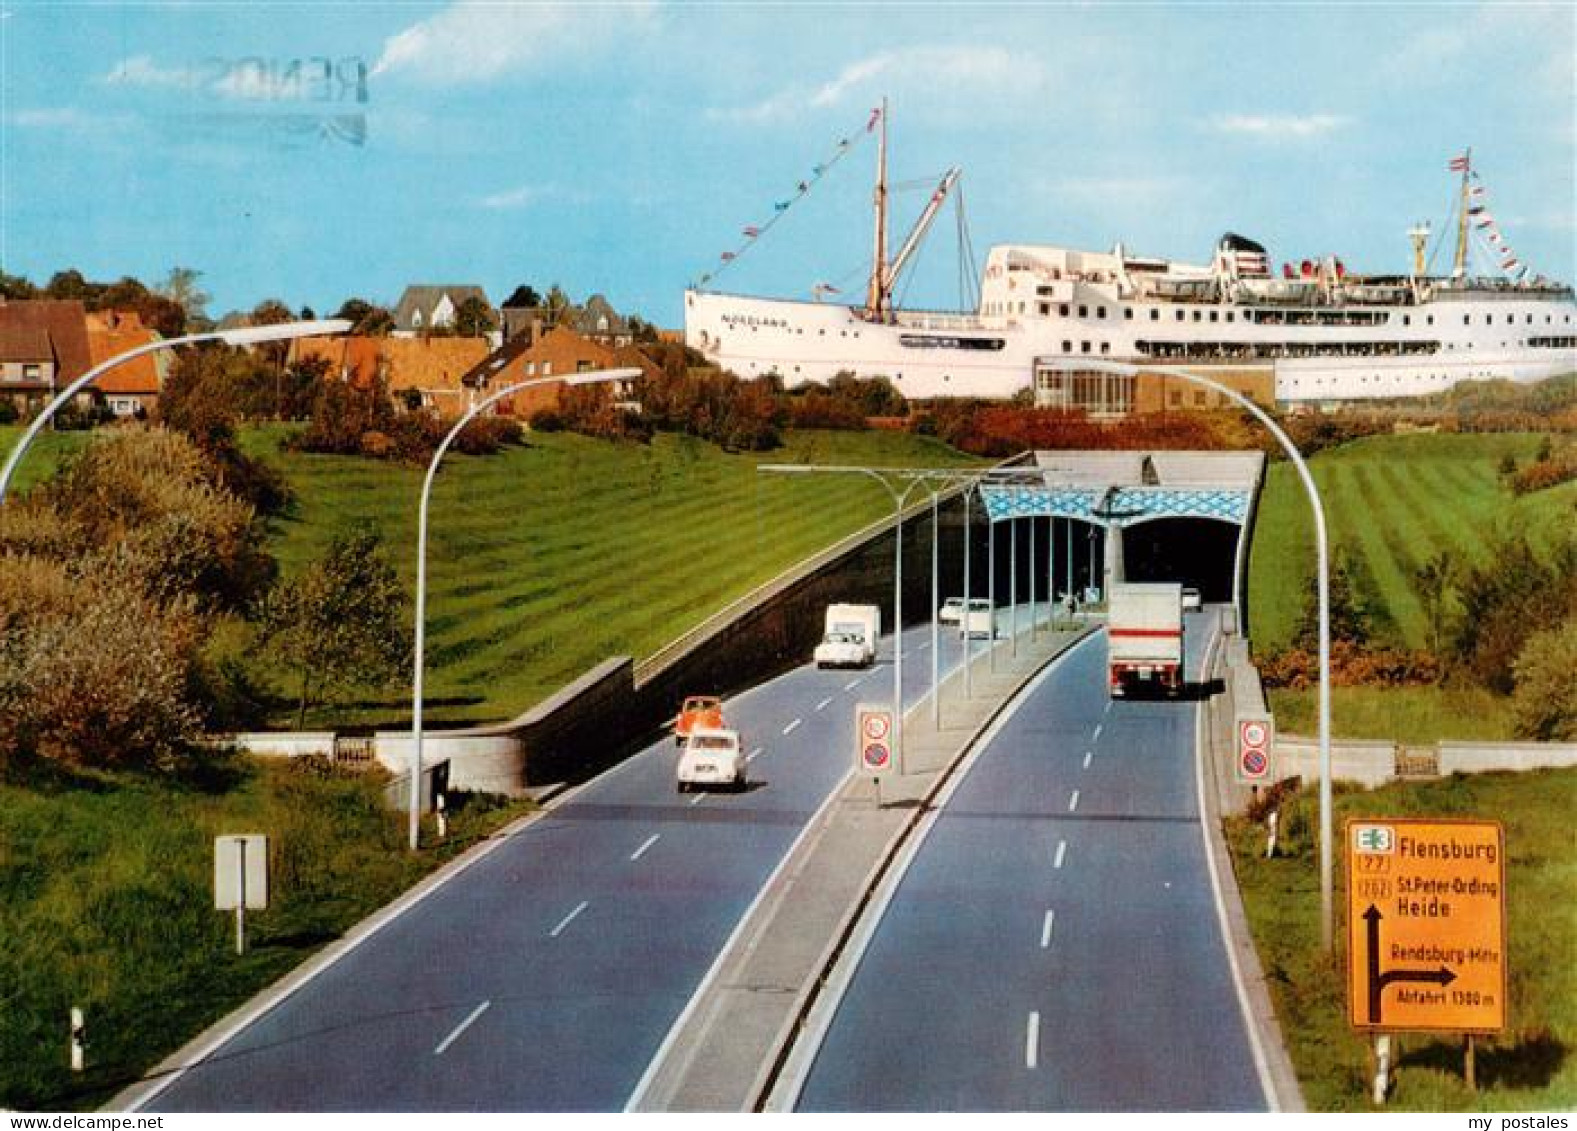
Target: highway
[
  {"x": 545, "y": 976},
  {"x": 1054, "y": 943}
]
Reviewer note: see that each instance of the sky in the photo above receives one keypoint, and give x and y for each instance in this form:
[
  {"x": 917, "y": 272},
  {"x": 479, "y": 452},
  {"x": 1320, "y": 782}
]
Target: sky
[{"x": 316, "y": 151}]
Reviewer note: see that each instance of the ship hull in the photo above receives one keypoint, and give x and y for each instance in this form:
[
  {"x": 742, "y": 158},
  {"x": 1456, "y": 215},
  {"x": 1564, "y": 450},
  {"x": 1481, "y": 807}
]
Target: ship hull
[{"x": 1353, "y": 352}]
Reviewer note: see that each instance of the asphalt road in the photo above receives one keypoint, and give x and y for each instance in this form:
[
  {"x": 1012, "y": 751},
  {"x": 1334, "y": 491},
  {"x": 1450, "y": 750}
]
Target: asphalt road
[
  {"x": 545, "y": 976},
  {"x": 1054, "y": 944}
]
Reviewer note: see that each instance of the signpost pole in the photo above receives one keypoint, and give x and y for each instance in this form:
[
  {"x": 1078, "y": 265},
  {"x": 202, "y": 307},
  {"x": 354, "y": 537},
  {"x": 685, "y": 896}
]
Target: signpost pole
[
  {"x": 240, "y": 903},
  {"x": 969, "y": 640}
]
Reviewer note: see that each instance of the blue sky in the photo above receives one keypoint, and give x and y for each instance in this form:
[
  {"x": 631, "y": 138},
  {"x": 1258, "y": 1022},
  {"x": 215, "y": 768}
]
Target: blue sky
[{"x": 621, "y": 148}]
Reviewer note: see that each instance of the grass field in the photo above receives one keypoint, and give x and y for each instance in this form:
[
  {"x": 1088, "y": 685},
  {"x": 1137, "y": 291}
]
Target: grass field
[
  {"x": 547, "y": 559},
  {"x": 106, "y": 902},
  {"x": 1391, "y": 504},
  {"x": 1533, "y": 1065},
  {"x": 1415, "y": 715}
]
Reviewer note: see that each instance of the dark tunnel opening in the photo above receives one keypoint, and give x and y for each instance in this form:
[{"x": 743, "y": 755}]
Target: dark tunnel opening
[{"x": 1194, "y": 551}]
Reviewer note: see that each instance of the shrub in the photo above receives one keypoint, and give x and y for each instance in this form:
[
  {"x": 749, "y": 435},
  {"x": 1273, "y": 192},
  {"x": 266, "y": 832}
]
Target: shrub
[
  {"x": 1545, "y": 700},
  {"x": 93, "y": 671},
  {"x": 1516, "y": 593}
]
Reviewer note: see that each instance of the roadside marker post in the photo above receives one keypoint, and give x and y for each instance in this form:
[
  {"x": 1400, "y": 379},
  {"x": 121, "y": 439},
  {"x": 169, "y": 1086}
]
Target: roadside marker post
[
  {"x": 79, "y": 1038},
  {"x": 241, "y": 879}
]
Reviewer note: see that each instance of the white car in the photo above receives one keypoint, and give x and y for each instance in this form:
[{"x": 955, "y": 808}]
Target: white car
[
  {"x": 711, "y": 756},
  {"x": 1192, "y": 599},
  {"x": 952, "y": 611},
  {"x": 978, "y": 622},
  {"x": 842, "y": 650}
]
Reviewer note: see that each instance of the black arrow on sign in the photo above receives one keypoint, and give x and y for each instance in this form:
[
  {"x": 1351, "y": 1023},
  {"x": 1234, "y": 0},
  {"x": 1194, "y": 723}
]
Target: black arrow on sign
[{"x": 1378, "y": 981}]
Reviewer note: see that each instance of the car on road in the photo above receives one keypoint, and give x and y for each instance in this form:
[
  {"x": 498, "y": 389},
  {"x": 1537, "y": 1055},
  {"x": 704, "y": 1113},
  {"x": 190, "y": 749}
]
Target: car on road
[
  {"x": 952, "y": 611},
  {"x": 1192, "y": 599},
  {"x": 977, "y": 622},
  {"x": 711, "y": 756},
  {"x": 696, "y": 712}
]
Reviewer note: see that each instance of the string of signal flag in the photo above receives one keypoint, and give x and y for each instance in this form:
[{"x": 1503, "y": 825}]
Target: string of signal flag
[{"x": 753, "y": 232}]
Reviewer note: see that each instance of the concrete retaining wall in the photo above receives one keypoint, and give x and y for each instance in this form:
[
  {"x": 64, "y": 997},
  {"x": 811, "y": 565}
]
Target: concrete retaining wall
[
  {"x": 286, "y": 744},
  {"x": 1477, "y": 757},
  {"x": 1368, "y": 763}
]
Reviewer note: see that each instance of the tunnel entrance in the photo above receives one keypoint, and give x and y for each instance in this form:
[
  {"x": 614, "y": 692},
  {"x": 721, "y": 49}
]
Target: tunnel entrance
[{"x": 1198, "y": 552}]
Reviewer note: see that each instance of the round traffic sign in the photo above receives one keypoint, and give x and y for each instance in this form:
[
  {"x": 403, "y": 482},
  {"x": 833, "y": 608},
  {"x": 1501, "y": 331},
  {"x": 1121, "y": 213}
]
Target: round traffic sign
[
  {"x": 876, "y": 726},
  {"x": 876, "y": 755},
  {"x": 1254, "y": 763},
  {"x": 1254, "y": 734}
]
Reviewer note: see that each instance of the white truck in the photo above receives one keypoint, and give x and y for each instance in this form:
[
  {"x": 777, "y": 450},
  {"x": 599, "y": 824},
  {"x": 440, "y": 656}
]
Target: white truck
[
  {"x": 1144, "y": 637},
  {"x": 849, "y": 640}
]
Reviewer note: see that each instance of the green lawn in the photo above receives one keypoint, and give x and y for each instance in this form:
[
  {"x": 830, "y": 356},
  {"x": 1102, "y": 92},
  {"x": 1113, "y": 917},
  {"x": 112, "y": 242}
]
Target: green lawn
[
  {"x": 547, "y": 559},
  {"x": 106, "y": 903},
  {"x": 1413, "y": 715},
  {"x": 1391, "y": 504},
  {"x": 1533, "y": 1065}
]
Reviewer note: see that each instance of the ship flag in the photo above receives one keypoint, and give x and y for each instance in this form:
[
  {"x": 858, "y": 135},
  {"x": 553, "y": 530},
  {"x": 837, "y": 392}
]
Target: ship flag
[
  {"x": 876, "y": 116},
  {"x": 727, "y": 256},
  {"x": 752, "y": 231},
  {"x": 781, "y": 206},
  {"x": 1459, "y": 164}
]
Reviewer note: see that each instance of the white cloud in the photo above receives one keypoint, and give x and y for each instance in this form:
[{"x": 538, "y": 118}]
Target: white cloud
[
  {"x": 142, "y": 71},
  {"x": 1279, "y": 127},
  {"x": 512, "y": 198},
  {"x": 473, "y": 41},
  {"x": 913, "y": 75},
  {"x": 51, "y": 118}
]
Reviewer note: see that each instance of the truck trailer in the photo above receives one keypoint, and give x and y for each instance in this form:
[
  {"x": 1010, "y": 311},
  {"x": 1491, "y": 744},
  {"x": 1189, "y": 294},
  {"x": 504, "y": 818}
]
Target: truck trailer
[{"x": 1144, "y": 638}]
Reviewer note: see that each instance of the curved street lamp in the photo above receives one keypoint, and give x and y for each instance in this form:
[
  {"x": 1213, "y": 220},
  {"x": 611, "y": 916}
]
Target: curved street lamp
[
  {"x": 241, "y": 336},
  {"x": 596, "y": 376},
  {"x": 1322, "y": 572}
]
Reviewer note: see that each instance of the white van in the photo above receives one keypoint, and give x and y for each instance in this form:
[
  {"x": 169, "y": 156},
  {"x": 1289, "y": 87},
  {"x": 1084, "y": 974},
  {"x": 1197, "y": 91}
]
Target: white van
[{"x": 978, "y": 621}]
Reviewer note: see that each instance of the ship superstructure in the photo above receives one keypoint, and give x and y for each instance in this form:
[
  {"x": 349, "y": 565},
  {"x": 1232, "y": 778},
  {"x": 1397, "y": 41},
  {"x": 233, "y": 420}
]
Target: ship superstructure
[{"x": 1321, "y": 332}]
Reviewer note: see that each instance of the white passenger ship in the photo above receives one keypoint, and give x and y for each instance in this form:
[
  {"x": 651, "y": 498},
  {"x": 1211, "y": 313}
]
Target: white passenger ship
[{"x": 1322, "y": 333}]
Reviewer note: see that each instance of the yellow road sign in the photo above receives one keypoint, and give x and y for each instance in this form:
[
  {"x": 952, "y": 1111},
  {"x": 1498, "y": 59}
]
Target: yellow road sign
[{"x": 1426, "y": 925}]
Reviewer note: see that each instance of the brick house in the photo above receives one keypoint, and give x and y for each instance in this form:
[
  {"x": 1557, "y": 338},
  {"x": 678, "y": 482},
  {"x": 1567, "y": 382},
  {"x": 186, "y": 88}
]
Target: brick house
[
  {"x": 550, "y": 353},
  {"x": 429, "y": 368},
  {"x": 43, "y": 347},
  {"x": 131, "y": 388},
  {"x": 425, "y": 307}
]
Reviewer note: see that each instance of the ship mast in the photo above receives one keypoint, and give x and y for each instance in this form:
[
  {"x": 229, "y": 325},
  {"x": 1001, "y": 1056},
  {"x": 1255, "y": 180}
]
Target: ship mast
[
  {"x": 878, "y": 302},
  {"x": 1459, "y": 265}
]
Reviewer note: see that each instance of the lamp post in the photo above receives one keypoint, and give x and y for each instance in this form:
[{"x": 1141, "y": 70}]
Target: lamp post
[
  {"x": 241, "y": 336},
  {"x": 1322, "y": 582},
  {"x": 418, "y": 665}
]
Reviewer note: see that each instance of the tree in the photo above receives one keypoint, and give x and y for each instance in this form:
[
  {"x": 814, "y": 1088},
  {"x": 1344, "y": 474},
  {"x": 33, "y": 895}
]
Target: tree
[
  {"x": 473, "y": 318},
  {"x": 1433, "y": 583},
  {"x": 369, "y": 318},
  {"x": 1349, "y": 617},
  {"x": 340, "y": 624},
  {"x": 16, "y": 287},
  {"x": 69, "y": 284},
  {"x": 524, "y": 297},
  {"x": 180, "y": 287}
]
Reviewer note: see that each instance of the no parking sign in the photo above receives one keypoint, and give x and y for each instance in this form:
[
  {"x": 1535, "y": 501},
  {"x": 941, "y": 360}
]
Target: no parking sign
[
  {"x": 873, "y": 739},
  {"x": 1255, "y": 734}
]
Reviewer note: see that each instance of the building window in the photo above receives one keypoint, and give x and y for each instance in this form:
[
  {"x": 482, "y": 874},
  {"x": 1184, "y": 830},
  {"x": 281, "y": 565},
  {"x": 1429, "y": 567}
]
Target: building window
[
  {"x": 1062, "y": 309},
  {"x": 1179, "y": 315},
  {"x": 547, "y": 369},
  {"x": 1100, "y": 312},
  {"x": 1106, "y": 347},
  {"x": 1407, "y": 320},
  {"x": 1232, "y": 316},
  {"x": 1067, "y": 346},
  {"x": 1214, "y": 317},
  {"x": 1045, "y": 309},
  {"x": 32, "y": 372},
  {"x": 1198, "y": 316},
  {"x": 1084, "y": 311},
  {"x": 583, "y": 366},
  {"x": 1084, "y": 347},
  {"x": 1128, "y": 313},
  {"x": 1199, "y": 397},
  {"x": 531, "y": 369},
  {"x": 1155, "y": 314}
]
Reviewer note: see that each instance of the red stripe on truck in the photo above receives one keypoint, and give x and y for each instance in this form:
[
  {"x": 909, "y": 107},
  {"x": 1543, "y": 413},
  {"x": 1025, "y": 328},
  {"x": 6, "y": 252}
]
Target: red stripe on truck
[{"x": 1163, "y": 633}]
